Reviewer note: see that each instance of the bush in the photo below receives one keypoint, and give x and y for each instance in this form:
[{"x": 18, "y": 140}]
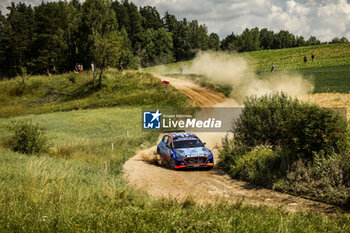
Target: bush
[
  {"x": 260, "y": 166},
  {"x": 279, "y": 120},
  {"x": 324, "y": 179},
  {"x": 28, "y": 138}
]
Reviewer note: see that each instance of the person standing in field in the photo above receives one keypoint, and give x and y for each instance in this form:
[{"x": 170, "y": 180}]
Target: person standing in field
[
  {"x": 312, "y": 57},
  {"x": 305, "y": 59},
  {"x": 92, "y": 67},
  {"x": 272, "y": 67}
]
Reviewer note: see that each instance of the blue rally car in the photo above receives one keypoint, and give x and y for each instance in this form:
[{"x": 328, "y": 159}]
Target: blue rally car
[{"x": 184, "y": 150}]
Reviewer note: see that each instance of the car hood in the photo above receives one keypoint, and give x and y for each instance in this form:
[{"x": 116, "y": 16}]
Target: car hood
[{"x": 192, "y": 152}]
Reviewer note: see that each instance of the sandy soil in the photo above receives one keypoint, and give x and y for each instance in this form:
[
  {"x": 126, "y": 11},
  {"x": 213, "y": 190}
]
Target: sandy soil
[{"x": 145, "y": 171}]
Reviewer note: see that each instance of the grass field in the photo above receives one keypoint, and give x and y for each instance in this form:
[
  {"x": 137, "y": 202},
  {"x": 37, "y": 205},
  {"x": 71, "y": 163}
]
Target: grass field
[
  {"x": 66, "y": 190},
  {"x": 42, "y": 94},
  {"x": 329, "y": 71}
]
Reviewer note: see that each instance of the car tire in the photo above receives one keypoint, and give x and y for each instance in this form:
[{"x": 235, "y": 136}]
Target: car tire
[{"x": 172, "y": 163}]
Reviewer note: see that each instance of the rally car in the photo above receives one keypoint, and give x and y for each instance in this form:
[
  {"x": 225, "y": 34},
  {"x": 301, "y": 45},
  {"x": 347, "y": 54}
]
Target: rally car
[{"x": 184, "y": 150}]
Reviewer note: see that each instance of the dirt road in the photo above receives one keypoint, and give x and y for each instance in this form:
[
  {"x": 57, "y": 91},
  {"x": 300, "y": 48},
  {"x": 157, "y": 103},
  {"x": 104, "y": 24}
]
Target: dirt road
[{"x": 144, "y": 172}]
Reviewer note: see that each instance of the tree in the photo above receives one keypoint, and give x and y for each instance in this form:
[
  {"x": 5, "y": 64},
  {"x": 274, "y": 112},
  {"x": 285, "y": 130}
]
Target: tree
[
  {"x": 17, "y": 34},
  {"x": 150, "y": 18},
  {"x": 266, "y": 38},
  {"x": 344, "y": 40},
  {"x": 249, "y": 40},
  {"x": 214, "y": 42},
  {"x": 98, "y": 18},
  {"x": 106, "y": 51},
  {"x": 170, "y": 22},
  {"x": 198, "y": 35},
  {"x": 286, "y": 39},
  {"x": 300, "y": 41},
  {"x": 155, "y": 47},
  {"x": 229, "y": 43},
  {"x": 183, "y": 49},
  {"x": 121, "y": 12},
  {"x": 314, "y": 41},
  {"x": 135, "y": 21}
]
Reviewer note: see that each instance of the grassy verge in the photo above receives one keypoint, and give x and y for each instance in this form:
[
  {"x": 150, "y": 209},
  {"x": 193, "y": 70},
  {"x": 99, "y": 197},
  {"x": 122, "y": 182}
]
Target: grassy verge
[
  {"x": 42, "y": 94},
  {"x": 67, "y": 190}
]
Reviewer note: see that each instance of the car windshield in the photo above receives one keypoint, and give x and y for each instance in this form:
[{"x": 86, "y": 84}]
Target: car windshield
[{"x": 188, "y": 143}]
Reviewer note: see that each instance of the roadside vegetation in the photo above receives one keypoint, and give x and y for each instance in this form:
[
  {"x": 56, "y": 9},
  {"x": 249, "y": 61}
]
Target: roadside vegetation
[{"x": 290, "y": 146}]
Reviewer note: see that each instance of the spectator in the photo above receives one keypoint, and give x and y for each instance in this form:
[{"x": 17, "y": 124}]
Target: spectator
[
  {"x": 272, "y": 67},
  {"x": 305, "y": 59},
  {"x": 92, "y": 67},
  {"x": 312, "y": 57}
]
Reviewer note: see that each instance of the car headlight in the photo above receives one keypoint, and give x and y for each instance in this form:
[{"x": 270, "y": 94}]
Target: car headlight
[{"x": 180, "y": 157}]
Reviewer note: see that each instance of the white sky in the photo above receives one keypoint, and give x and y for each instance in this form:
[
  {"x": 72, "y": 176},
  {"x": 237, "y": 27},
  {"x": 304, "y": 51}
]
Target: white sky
[{"x": 325, "y": 19}]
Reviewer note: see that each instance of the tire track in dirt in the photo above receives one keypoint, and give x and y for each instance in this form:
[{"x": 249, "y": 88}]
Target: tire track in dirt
[{"x": 144, "y": 172}]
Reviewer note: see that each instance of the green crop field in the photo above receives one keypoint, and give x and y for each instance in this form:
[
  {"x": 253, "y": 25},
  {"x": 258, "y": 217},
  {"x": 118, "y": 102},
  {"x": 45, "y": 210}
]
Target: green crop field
[{"x": 330, "y": 71}]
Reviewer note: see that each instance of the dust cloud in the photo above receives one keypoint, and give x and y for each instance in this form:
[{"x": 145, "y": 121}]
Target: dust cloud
[{"x": 222, "y": 68}]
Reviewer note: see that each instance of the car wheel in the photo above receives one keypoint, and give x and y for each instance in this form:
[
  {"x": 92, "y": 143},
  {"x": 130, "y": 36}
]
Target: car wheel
[{"x": 172, "y": 163}]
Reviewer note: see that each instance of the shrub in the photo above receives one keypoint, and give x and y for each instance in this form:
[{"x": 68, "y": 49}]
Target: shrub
[
  {"x": 260, "y": 166},
  {"x": 277, "y": 119},
  {"x": 28, "y": 138},
  {"x": 325, "y": 179}
]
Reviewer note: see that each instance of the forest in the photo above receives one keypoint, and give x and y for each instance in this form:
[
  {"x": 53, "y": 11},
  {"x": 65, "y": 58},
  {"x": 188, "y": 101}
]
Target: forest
[{"x": 56, "y": 36}]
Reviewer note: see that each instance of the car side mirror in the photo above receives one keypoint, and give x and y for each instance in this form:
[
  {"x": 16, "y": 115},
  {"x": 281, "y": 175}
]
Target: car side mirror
[{"x": 204, "y": 143}]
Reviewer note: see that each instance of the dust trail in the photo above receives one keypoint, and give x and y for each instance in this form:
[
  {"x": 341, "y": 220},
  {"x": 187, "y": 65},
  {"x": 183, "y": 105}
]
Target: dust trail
[{"x": 231, "y": 70}]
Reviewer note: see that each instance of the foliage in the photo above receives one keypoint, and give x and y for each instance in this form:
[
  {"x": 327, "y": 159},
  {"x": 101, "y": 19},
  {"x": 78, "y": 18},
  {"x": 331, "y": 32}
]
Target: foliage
[
  {"x": 260, "y": 39},
  {"x": 28, "y": 138},
  {"x": 277, "y": 119},
  {"x": 106, "y": 51},
  {"x": 59, "y": 35},
  {"x": 326, "y": 178},
  {"x": 155, "y": 47},
  {"x": 261, "y": 166},
  {"x": 282, "y": 143}
]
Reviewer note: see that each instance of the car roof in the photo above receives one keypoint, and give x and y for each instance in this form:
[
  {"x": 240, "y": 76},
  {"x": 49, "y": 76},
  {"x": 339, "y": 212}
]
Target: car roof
[{"x": 180, "y": 136}]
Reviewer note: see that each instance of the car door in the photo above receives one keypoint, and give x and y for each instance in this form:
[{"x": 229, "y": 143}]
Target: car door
[
  {"x": 169, "y": 143},
  {"x": 163, "y": 145}
]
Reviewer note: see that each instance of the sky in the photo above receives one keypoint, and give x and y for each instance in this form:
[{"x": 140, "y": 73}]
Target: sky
[{"x": 324, "y": 19}]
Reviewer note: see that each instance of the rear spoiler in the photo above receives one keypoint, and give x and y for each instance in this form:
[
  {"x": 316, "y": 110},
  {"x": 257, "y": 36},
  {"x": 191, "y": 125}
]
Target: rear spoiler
[{"x": 174, "y": 131}]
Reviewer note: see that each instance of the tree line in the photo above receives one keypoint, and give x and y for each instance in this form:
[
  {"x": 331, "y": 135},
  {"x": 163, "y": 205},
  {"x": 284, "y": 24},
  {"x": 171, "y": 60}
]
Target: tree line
[
  {"x": 259, "y": 39},
  {"x": 62, "y": 34}
]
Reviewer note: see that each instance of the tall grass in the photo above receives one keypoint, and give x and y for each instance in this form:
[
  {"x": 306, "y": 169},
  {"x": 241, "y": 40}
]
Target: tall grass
[{"x": 45, "y": 194}]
